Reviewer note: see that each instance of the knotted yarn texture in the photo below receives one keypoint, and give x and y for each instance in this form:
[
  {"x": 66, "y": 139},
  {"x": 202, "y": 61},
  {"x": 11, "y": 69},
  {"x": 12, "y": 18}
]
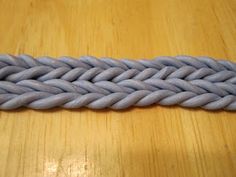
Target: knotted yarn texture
[{"x": 45, "y": 82}]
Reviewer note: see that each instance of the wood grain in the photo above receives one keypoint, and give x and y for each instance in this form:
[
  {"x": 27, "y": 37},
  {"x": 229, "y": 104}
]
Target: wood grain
[{"x": 154, "y": 141}]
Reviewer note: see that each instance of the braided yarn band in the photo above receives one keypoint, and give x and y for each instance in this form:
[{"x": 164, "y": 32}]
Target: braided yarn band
[{"x": 45, "y": 82}]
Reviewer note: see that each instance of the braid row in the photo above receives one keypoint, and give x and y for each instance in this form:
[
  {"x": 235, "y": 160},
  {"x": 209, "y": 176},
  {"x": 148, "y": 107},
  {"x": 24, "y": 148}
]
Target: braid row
[
  {"x": 118, "y": 100},
  {"x": 87, "y": 62}
]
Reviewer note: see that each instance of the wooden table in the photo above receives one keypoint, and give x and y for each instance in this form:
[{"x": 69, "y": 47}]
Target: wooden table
[{"x": 154, "y": 141}]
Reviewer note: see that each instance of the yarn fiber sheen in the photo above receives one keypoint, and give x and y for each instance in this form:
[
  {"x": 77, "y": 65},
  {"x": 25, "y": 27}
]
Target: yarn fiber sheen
[{"x": 98, "y": 83}]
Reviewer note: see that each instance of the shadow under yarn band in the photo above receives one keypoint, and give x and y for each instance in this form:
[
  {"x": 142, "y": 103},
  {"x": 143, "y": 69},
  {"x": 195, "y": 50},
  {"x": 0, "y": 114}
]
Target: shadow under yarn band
[{"x": 44, "y": 82}]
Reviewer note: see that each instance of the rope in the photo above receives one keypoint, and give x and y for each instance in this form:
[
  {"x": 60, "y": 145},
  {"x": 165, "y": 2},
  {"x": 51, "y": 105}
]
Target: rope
[{"x": 44, "y": 82}]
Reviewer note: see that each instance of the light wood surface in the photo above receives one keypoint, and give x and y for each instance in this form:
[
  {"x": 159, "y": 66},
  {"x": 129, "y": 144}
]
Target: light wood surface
[{"x": 154, "y": 141}]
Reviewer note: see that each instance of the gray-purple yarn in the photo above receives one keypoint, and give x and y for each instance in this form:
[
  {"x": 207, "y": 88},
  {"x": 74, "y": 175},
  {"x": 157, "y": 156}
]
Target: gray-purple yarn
[{"x": 44, "y": 82}]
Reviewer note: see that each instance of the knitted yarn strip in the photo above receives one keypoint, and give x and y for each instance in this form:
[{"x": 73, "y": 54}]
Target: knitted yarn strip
[{"x": 44, "y": 82}]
